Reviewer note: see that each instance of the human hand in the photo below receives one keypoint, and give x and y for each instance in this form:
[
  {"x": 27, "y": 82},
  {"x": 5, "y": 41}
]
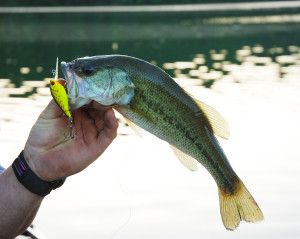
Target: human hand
[{"x": 51, "y": 156}]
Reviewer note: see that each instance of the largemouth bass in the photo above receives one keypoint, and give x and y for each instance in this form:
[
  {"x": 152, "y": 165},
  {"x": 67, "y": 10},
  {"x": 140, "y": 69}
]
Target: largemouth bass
[{"x": 151, "y": 99}]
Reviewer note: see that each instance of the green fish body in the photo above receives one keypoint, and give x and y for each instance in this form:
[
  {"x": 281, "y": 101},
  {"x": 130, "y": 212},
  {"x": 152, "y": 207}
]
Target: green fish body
[{"x": 151, "y": 99}]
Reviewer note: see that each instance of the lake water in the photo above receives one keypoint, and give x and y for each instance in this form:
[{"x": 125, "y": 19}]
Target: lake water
[{"x": 246, "y": 65}]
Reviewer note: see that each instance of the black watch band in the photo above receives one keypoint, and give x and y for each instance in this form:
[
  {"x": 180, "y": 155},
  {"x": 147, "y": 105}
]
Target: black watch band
[{"x": 31, "y": 181}]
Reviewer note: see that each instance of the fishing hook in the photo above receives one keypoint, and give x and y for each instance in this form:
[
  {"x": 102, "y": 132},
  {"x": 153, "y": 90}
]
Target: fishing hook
[{"x": 71, "y": 134}]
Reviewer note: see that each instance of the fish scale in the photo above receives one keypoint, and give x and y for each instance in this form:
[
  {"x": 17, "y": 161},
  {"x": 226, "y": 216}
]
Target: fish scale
[{"x": 172, "y": 127}]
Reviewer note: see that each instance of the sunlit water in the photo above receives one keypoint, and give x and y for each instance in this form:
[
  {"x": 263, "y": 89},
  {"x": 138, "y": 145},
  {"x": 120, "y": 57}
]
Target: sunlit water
[{"x": 138, "y": 189}]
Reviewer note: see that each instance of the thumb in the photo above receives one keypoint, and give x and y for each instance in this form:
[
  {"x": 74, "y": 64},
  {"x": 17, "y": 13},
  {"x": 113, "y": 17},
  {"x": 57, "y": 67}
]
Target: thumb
[{"x": 52, "y": 111}]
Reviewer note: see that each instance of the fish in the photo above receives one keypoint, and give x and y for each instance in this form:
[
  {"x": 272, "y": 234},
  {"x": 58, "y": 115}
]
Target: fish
[{"x": 148, "y": 97}]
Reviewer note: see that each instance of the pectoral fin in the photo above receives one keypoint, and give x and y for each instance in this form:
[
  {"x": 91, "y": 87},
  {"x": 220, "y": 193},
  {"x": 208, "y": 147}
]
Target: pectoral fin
[
  {"x": 137, "y": 130},
  {"x": 217, "y": 122},
  {"x": 188, "y": 161}
]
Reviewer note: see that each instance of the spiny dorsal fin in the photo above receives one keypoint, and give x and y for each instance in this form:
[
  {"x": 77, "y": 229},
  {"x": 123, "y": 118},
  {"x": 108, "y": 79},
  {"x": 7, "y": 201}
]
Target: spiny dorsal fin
[
  {"x": 217, "y": 122},
  {"x": 188, "y": 161}
]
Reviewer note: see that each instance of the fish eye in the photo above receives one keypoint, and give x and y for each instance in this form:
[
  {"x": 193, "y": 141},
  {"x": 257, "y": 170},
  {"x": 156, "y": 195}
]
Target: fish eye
[{"x": 88, "y": 70}]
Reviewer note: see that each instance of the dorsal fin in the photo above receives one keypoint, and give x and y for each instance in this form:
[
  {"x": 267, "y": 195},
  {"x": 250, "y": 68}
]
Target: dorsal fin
[
  {"x": 188, "y": 161},
  {"x": 217, "y": 122}
]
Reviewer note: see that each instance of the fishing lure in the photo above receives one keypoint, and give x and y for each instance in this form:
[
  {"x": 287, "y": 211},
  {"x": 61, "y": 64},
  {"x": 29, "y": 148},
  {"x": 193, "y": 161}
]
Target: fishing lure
[{"x": 60, "y": 96}]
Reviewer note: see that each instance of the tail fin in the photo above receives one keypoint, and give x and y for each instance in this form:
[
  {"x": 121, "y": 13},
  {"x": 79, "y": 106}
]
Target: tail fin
[{"x": 237, "y": 207}]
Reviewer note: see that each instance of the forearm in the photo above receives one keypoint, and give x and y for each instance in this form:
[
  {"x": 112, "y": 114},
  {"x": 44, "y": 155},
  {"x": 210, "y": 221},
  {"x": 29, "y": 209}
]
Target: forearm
[{"x": 18, "y": 206}]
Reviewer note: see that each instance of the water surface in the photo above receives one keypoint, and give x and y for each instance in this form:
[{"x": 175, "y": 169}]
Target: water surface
[{"x": 247, "y": 66}]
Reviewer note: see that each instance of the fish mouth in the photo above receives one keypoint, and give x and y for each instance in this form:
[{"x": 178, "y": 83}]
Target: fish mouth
[
  {"x": 74, "y": 86},
  {"x": 66, "y": 69},
  {"x": 69, "y": 77}
]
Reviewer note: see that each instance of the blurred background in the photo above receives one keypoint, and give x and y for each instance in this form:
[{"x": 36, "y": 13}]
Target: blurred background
[{"x": 242, "y": 58}]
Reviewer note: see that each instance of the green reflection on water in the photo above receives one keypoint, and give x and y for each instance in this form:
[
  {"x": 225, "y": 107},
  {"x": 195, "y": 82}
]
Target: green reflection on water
[{"x": 30, "y": 43}]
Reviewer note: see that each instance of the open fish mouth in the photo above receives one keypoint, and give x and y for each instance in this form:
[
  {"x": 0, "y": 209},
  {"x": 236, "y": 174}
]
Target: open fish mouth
[
  {"x": 66, "y": 69},
  {"x": 74, "y": 86},
  {"x": 69, "y": 75}
]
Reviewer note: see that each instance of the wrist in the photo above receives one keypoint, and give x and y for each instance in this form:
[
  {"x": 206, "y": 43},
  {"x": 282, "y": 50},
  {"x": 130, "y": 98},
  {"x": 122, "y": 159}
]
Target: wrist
[
  {"x": 33, "y": 161},
  {"x": 30, "y": 180},
  {"x": 44, "y": 164}
]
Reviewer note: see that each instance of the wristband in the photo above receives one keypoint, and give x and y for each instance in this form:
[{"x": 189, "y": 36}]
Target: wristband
[{"x": 30, "y": 180}]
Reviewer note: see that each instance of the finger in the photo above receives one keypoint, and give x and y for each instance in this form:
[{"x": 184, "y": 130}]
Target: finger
[
  {"x": 100, "y": 107},
  {"x": 99, "y": 121},
  {"x": 62, "y": 81},
  {"x": 94, "y": 113},
  {"x": 110, "y": 124},
  {"x": 109, "y": 132},
  {"x": 52, "y": 111}
]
